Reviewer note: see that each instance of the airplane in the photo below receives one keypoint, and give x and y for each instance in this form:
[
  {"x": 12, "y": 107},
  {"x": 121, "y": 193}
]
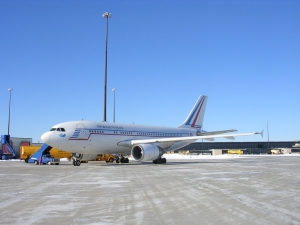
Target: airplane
[{"x": 87, "y": 139}]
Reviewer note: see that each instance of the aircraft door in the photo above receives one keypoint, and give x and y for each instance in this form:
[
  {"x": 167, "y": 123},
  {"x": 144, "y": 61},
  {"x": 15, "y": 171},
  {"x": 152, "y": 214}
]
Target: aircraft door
[{"x": 83, "y": 132}]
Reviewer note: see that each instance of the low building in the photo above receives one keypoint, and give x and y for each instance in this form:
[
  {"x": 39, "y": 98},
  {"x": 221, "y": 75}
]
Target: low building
[{"x": 249, "y": 147}]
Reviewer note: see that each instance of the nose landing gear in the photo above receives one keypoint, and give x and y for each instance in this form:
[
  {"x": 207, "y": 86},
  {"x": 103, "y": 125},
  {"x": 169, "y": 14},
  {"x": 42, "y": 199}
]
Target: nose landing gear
[
  {"x": 76, "y": 162},
  {"x": 76, "y": 159}
]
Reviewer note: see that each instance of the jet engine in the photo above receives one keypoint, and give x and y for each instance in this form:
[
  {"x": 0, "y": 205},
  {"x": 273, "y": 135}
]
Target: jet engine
[{"x": 145, "y": 152}]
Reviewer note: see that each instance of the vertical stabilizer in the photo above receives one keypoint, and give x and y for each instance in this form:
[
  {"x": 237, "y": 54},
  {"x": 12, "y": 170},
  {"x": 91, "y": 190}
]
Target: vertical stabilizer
[{"x": 195, "y": 118}]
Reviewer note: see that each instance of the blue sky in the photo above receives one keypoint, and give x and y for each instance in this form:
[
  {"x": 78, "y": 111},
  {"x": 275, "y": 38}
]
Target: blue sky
[{"x": 245, "y": 55}]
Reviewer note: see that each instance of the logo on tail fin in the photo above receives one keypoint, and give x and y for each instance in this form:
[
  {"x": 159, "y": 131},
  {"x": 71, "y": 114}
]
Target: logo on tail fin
[{"x": 195, "y": 118}]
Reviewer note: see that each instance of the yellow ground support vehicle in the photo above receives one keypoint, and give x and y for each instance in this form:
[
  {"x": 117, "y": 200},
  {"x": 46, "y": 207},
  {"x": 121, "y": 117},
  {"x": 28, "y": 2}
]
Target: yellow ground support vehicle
[
  {"x": 27, "y": 151},
  {"x": 235, "y": 151},
  {"x": 105, "y": 157}
]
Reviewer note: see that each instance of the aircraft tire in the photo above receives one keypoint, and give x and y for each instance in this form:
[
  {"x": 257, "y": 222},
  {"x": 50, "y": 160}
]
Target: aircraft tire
[
  {"x": 159, "y": 161},
  {"x": 78, "y": 162}
]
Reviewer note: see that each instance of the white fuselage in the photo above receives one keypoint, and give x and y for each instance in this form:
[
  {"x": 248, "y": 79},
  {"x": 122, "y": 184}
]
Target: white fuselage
[{"x": 88, "y": 137}]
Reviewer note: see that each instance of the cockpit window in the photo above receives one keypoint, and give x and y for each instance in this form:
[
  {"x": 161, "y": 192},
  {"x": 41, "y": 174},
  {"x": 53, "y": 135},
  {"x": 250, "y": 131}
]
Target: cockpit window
[{"x": 58, "y": 129}]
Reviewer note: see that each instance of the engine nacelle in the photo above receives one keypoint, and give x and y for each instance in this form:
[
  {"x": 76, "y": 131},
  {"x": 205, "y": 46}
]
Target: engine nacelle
[{"x": 145, "y": 152}]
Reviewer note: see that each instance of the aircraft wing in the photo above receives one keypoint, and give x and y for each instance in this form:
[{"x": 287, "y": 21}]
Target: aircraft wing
[{"x": 191, "y": 138}]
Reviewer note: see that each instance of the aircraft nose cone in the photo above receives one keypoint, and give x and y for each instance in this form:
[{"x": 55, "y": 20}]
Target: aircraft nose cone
[{"x": 46, "y": 138}]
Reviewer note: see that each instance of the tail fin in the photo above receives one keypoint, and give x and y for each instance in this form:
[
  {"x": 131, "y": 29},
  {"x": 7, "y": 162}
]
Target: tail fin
[{"x": 195, "y": 118}]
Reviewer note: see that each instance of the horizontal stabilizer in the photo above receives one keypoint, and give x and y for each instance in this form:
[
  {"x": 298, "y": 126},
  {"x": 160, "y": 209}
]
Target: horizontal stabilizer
[
  {"x": 214, "y": 132},
  {"x": 231, "y": 138},
  {"x": 209, "y": 139}
]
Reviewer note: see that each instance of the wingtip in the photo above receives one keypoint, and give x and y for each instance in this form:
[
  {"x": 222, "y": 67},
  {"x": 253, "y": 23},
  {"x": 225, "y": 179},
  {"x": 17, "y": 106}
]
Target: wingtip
[{"x": 261, "y": 133}]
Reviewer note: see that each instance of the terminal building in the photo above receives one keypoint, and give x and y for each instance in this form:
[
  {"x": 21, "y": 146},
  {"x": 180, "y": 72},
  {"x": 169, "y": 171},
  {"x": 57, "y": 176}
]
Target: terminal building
[
  {"x": 247, "y": 147},
  {"x": 239, "y": 145}
]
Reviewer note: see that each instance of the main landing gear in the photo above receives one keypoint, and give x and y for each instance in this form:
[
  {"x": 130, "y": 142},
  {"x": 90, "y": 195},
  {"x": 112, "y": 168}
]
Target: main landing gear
[
  {"x": 160, "y": 161},
  {"x": 121, "y": 159}
]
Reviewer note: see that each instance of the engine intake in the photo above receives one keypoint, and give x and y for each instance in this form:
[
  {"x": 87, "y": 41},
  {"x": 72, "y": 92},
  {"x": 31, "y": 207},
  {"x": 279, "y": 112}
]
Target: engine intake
[{"x": 145, "y": 152}]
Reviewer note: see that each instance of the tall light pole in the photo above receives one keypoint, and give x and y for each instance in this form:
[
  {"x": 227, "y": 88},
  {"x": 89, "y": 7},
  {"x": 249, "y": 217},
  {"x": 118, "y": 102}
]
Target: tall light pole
[
  {"x": 105, "y": 15},
  {"x": 268, "y": 133},
  {"x": 114, "y": 90},
  {"x": 9, "y": 89}
]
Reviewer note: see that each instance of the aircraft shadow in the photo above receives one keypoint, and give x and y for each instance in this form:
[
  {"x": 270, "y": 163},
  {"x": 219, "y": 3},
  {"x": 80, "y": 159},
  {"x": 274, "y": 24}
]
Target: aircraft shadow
[
  {"x": 97, "y": 163},
  {"x": 150, "y": 163}
]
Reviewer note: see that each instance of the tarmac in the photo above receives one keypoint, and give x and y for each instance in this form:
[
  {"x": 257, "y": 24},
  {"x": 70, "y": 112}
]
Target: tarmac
[{"x": 202, "y": 190}]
